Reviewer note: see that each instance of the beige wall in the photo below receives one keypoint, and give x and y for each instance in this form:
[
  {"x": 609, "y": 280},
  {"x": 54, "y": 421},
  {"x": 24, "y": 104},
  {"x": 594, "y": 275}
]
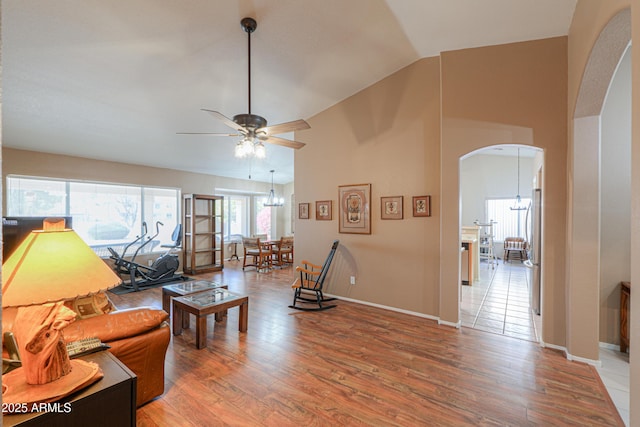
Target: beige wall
[
  {"x": 508, "y": 94},
  {"x": 387, "y": 135}
]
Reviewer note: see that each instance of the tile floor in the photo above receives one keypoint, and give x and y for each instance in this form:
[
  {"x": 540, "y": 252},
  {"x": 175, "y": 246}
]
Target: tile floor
[
  {"x": 614, "y": 373},
  {"x": 499, "y": 303}
]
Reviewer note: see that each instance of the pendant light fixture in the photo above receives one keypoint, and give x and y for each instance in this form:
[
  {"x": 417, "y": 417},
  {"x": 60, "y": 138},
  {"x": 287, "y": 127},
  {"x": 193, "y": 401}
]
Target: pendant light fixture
[
  {"x": 518, "y": 206},
  {"x": 272, "y": 200}
]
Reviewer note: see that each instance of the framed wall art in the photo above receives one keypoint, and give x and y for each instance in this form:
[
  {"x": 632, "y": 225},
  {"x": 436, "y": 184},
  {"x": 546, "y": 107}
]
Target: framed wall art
[
  {"x": 391, "y": 207},
  {"x": 354, "y": 203},
  {"x": 303, "y": 211},
  {"x": 422, "y": 206},
  {"x": 324, "y": 210}
]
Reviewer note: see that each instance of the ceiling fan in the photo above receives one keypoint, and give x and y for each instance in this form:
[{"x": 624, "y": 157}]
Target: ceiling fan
[{"x": 253, "y": 128}]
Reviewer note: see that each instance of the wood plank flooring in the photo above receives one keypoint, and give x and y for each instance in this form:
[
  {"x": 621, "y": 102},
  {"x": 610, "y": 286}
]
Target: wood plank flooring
[{"x": 360, "y": 365}]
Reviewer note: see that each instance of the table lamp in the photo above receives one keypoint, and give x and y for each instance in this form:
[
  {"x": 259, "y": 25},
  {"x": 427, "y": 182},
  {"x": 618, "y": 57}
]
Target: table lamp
[{"x": 50, "y": 266}]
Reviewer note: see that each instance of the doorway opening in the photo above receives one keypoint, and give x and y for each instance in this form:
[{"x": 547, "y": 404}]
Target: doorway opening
[
  {"x": 602, "y": 167},
  {"x": 500, "y": 190}
]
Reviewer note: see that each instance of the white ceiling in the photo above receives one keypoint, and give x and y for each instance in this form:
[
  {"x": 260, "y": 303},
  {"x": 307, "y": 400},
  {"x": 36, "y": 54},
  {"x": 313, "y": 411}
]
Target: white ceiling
[{"x": 117, "y": 79}]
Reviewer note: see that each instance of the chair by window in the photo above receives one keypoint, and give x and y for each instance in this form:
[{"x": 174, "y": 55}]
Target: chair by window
[
  {"x": 259, "y": 252},
  {"x": 516, "y": 246}
]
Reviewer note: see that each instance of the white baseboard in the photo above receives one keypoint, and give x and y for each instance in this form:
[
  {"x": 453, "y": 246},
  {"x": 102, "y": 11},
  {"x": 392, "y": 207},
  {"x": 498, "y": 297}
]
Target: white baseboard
[
  {"x": 596, "y": 363},
  {"x": 609, "y": 346},
  {"x": 457, "y": 325}
]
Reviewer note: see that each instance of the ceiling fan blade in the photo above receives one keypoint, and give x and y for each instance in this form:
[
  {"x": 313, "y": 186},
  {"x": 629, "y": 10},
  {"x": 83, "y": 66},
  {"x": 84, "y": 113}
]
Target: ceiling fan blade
[
  {"x": 207, "y": 133},
  {"x": 283, "y": 142},
  {"x": 284, "y": 127},
  {"x": 224, "y": 119}
]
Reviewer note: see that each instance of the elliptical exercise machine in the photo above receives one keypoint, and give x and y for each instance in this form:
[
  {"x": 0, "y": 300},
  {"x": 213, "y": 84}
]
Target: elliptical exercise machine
[{"x": 161, "y": 271}]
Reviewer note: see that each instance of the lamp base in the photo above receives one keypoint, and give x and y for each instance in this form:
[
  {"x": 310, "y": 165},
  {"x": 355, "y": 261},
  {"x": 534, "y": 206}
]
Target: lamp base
[{"x": 16, "y": 391}]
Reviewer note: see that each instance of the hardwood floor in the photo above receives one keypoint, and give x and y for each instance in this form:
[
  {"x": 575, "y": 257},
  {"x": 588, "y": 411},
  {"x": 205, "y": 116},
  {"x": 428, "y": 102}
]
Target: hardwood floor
[{"x": 360, "y": 365}]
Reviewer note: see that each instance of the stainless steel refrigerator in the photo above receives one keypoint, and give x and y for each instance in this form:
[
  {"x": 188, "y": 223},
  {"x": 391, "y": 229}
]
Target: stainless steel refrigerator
[{"x": 533, "y": 225}]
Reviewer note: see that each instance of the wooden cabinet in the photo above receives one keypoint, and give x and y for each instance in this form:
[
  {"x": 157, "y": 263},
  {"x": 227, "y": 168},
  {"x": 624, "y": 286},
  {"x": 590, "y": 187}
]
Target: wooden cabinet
[
  {"x": 202, "y": 241},
  {"x": 625, "y": 299}
]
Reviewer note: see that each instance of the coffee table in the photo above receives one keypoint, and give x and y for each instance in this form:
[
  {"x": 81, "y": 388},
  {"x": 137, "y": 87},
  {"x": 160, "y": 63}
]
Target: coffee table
[
  {"x": 186, "y": 288},
  {"x": 202, "y": 304}
]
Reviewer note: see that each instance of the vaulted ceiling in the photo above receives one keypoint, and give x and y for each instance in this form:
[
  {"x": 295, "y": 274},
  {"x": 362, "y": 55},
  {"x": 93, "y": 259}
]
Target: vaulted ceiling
[{"x": 117, "y": 79}]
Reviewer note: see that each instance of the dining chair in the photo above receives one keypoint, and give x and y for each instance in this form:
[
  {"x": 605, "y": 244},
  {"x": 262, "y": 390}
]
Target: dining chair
[
  {"x": 260, "y": 253},
  {"x": 516, "y": 246},
  {"x": 284, "y": 251}
]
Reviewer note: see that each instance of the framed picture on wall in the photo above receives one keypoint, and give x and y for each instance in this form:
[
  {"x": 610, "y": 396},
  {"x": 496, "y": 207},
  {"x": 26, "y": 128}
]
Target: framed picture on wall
[
  {"x": 303, "y": 211},
  {"x": 354, "y": 203},
  {"x": 324, "y": 210},
  {"x": 422, "y": 206},
  {"x": 391, "y": 207}
]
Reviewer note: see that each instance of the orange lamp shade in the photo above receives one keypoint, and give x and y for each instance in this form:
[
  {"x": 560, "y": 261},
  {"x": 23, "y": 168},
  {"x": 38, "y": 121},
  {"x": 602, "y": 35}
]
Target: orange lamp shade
[{"x": 52, "y": 266}]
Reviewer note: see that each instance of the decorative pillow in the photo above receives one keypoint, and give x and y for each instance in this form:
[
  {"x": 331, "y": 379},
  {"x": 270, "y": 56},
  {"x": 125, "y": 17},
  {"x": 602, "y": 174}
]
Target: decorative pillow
[{"x": 92, "y": 305}]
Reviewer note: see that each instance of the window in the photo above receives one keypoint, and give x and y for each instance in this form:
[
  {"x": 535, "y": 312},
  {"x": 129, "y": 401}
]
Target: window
[
  {"x": 236, "y": 215},
  {"x": 509, "y": 223},
  {"x": 104, "y": 215},
  {"x": 263, "y": 217},
  {"x": 244, "y": 214}
]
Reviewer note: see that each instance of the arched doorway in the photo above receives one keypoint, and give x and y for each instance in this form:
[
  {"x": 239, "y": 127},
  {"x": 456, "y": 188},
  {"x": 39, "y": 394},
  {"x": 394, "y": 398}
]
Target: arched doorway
[
  {"x": 501, "y": 185},
  {"x": 584, "y": 207}
]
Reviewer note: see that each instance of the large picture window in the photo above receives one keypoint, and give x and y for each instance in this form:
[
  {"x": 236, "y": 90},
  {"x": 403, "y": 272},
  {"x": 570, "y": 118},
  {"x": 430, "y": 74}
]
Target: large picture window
[{"x": 103, "y": 214}]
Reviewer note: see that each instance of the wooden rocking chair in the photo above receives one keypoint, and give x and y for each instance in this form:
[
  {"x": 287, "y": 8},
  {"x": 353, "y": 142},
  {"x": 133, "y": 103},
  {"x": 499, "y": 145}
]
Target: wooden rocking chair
[{"x": 310, "y": 281}]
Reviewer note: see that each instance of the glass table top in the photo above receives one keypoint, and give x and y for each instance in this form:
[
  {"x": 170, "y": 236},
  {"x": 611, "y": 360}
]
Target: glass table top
[
  {"x": 194, "y": 286},
  {"x": 211, "y": 297}
]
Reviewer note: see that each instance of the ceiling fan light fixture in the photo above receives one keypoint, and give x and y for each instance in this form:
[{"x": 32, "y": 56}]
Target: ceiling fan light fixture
[
  {"x": 239, "y": 150},
  {"x": 244, "y": 148},
  {"x": 259, "y": 150}
]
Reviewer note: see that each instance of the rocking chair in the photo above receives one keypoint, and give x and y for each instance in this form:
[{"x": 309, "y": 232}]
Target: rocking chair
[{"x": 310, "y": 281}]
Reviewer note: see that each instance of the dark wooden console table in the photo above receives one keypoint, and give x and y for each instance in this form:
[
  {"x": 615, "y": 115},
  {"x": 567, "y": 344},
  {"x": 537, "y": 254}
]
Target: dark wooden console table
[
  {"x": 625, "y": 299},
  {"x": 111, "y": 401}
]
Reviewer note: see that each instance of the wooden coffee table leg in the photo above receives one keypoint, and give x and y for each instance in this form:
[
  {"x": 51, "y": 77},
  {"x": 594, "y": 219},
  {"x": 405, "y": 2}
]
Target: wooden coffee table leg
[
  {"x": 201, "y": 331},
  {"x": 186, "y": 322},
  {"x": 243, "y": 318},
  {"x": 177, "y": 320},
  {"x": 166, "y": 302}
]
